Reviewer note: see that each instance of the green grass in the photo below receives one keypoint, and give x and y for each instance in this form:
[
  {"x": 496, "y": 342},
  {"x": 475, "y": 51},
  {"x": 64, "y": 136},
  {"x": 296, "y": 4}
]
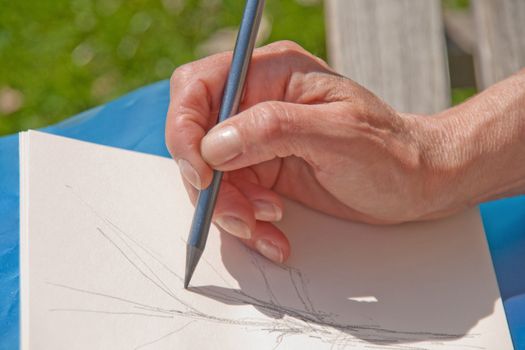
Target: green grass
[
  {"x": 456, "y": 4},
  {"x": 461, "y": 94},
  {"x": 65, "y": 56},
  {"x": 61, "y": 57}
]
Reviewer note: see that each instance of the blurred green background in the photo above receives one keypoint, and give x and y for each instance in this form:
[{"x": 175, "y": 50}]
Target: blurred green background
[{"x": 60, "y": 57}]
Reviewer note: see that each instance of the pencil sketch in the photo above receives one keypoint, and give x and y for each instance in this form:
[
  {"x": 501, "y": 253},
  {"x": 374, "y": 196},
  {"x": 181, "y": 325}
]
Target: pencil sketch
[{"x": 277, "y": 319}]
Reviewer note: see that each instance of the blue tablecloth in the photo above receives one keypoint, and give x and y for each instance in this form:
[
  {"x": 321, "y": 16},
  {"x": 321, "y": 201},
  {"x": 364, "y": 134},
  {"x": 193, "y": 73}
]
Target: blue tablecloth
[{"x": 136, "y": 122}]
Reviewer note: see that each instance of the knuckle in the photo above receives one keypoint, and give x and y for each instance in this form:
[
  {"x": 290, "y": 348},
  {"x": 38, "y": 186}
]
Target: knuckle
[
  {"x": 189, "y": 71},
  {"x": 289, "y": 45},
  {"x": 179, "y": 138},
  {"x": 270, "y": 119},
  {"x": 322, "y": 62},
  {"x": 182, "y": 130},
  {"x": 286, "y": 47},
  {"x": 182, "y": 73}
]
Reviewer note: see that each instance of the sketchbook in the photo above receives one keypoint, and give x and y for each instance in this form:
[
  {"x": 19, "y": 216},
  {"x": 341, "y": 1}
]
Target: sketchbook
[{"x": 102, "y": 253}]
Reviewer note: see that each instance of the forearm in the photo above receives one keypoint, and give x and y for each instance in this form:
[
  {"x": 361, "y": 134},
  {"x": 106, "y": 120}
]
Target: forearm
[{"x": 482, "y": 144}]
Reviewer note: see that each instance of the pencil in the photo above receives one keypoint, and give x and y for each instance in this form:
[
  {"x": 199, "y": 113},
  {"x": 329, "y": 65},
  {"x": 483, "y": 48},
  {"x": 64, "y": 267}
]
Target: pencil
[{"x": 233, "y": 89}]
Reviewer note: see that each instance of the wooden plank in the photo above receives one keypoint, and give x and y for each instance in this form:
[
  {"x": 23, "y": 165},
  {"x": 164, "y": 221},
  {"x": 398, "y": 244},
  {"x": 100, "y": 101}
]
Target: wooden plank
[
  {"x": 500, "y": 27},
  {"x": 394, "y": 48},
  {"x": 459, "y": 25}
]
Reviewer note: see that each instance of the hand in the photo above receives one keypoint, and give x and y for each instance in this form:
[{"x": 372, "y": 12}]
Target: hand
[{"x": 310, "y": 135}]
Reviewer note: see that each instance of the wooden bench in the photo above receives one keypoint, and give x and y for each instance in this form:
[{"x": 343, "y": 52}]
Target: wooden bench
[{"x": 396, "y": 48}]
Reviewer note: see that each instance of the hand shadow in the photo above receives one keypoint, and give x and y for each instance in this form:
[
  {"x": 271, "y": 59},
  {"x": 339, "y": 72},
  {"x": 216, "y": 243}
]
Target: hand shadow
[{"x": 427, "y": 281}]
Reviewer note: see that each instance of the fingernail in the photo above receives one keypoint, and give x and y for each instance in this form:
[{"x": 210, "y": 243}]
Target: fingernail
[
  {"x": 266, "y": 211},
  {"x": 221, "y": 145},
  {"x": 269, "y": 250},
  {"x": 189, "y": 173},
  {"x": 234, "y": 226}
]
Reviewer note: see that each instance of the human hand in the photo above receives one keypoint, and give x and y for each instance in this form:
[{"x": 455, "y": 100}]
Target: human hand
[{"x": 307, "y": 134}]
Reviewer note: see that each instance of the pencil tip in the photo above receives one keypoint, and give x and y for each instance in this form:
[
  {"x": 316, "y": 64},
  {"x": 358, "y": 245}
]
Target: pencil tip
[{"x": 193, "y": 256}]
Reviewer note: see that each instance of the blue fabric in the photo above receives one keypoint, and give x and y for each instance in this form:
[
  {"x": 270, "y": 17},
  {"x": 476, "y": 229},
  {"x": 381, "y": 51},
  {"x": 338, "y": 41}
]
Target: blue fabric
[
  {"x": 136, "y": 122},
  {"x": 504, "y": 222}
]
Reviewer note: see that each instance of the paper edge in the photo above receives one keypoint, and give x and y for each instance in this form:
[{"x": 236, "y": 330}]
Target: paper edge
[
  {"x": 24, "y": 240},
  {"x": 125, "y": 150}
]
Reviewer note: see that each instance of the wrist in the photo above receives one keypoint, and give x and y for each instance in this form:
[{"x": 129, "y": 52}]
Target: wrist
[
  {"x": 454, "y": 158},
  {"x": 476, "y": 151},
  {"x": 444, "y": 165}
]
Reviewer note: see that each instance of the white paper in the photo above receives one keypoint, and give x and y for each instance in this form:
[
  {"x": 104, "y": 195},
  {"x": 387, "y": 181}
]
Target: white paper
[{"x": 103, "y": 250}]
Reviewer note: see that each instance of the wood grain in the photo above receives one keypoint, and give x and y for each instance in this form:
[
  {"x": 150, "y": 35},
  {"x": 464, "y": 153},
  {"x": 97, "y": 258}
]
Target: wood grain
[
  {"x": 500, "y": 27},
  {"x": 394, "y": 48}
]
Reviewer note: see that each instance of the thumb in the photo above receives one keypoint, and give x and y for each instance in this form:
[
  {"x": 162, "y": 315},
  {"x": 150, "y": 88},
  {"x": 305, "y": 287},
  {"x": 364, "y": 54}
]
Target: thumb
[{"x": 263, "y": 132}]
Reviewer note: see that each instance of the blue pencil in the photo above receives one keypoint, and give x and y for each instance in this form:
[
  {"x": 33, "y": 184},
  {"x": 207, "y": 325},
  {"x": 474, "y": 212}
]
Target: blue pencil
[{"x": 242, "y": 54}]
